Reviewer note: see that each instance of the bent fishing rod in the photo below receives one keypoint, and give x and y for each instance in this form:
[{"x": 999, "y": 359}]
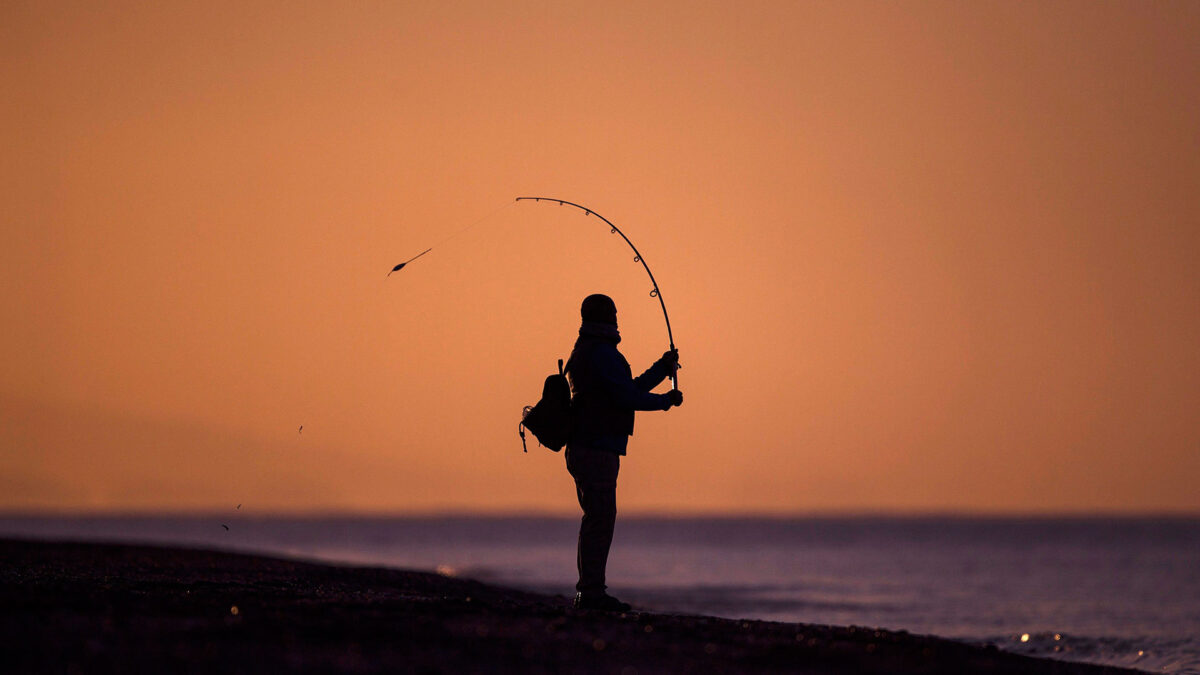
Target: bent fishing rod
[{"x": 637, "y": 258}]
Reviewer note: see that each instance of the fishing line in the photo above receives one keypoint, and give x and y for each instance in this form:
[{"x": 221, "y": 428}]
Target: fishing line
[
  {"x": 453, "y": 235},
  {"x": 474, "y": 223}
]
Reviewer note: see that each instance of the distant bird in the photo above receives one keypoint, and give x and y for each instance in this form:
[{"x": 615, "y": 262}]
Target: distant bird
[
  {"x": 225, "y": 526},
  {"x": 239, "y": 507},
  {"x": 301, "y": 429},
  {"x": 399, "y": 267}
]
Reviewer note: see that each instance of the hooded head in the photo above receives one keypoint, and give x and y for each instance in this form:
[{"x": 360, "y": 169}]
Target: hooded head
[{"x": 599, "y": 309}]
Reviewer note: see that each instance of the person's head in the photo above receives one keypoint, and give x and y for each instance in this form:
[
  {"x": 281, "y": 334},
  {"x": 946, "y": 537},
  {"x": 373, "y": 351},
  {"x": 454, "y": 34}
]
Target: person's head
[{"x": 599, "y": 308}]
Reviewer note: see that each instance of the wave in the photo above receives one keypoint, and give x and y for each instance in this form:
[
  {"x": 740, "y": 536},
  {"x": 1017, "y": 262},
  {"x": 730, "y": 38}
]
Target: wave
[{"x": 1179, "y": 656}]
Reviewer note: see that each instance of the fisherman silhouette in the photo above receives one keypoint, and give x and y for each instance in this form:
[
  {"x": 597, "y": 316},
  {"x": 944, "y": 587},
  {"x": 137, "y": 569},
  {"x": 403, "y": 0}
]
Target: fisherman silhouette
[{"x": 604, "y": 396}]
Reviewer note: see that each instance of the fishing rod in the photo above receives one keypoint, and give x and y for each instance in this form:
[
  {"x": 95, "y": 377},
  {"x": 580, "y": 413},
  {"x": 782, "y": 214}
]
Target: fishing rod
[{"x": 637, "y": 258}]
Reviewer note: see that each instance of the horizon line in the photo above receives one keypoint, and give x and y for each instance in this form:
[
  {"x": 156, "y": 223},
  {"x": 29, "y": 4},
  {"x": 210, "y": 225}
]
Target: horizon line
[{"x": 649, "y": 514}]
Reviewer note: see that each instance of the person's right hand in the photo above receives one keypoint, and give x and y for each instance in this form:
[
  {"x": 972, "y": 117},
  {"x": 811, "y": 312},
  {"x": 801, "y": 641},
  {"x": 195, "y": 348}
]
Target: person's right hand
[
  {"x": 675, "y": 397},
  {"x": 670, "y": 359}
]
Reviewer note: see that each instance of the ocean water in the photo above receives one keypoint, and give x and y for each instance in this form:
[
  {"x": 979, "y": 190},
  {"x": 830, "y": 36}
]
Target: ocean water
[{"x": 1122, "y": 591}]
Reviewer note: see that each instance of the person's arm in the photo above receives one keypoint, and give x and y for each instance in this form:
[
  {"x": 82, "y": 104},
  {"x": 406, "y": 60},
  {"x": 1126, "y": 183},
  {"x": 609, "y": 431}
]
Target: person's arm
[
  {"x": 624, "y": 391},
  {"x": 656, "y": 373}
]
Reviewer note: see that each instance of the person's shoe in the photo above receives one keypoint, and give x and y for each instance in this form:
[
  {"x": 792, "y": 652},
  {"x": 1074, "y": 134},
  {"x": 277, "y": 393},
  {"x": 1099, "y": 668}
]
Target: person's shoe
[{"x": 602, "y": 602}]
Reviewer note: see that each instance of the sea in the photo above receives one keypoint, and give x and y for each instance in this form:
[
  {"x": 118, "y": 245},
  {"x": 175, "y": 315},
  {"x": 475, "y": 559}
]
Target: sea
[{"x": 1113, "y": 590}]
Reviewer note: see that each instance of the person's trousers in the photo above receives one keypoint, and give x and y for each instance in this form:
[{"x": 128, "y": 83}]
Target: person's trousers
[{"x": 595, "y": 474}]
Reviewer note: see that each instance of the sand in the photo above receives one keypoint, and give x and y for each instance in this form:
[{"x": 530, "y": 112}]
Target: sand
[{"x": 73, "y": 607}]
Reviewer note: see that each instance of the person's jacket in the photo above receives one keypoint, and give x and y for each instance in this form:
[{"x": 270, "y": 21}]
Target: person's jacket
[{"x": 604, "y": 393}]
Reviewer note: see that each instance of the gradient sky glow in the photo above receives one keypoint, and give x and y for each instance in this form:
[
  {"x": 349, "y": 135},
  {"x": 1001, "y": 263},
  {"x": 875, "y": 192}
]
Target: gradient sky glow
[{"x": 918, "y": 256}]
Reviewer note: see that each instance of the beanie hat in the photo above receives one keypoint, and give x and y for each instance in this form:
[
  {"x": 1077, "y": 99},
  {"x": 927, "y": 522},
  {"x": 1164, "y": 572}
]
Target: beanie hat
[{"x": 599, "y": 308}]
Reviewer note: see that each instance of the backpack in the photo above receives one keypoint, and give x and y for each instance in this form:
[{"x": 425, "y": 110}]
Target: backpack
[{"x": 550, "y": 418}]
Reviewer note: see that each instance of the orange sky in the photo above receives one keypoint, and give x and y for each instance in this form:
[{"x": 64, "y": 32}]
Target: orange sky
[{"x": 919, "y": 256}]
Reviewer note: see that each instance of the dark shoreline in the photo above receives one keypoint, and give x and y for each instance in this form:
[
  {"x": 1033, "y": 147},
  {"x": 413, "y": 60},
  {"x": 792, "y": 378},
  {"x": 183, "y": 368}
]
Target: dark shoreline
[{"x": 81, "y": 607}]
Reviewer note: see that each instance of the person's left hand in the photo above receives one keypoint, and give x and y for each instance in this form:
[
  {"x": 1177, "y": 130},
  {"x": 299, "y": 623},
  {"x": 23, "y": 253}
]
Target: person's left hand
[{"x": 674, "y": 398}]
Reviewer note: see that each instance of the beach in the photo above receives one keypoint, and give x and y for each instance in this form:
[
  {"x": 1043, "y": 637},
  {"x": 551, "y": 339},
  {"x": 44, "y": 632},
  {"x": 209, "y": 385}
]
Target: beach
[{"x": 87, "y": 607}]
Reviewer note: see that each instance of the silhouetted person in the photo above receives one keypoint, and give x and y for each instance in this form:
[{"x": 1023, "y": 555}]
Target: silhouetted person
[{"x": 604, "y": 396}]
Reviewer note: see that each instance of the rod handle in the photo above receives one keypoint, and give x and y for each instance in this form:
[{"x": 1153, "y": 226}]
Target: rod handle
[{"x": 675, "y": 371}]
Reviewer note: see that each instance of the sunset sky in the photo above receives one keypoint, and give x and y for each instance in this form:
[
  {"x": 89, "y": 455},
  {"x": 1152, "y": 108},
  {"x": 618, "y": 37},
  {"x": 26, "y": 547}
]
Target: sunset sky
[{"x": 919, "y": 256}]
